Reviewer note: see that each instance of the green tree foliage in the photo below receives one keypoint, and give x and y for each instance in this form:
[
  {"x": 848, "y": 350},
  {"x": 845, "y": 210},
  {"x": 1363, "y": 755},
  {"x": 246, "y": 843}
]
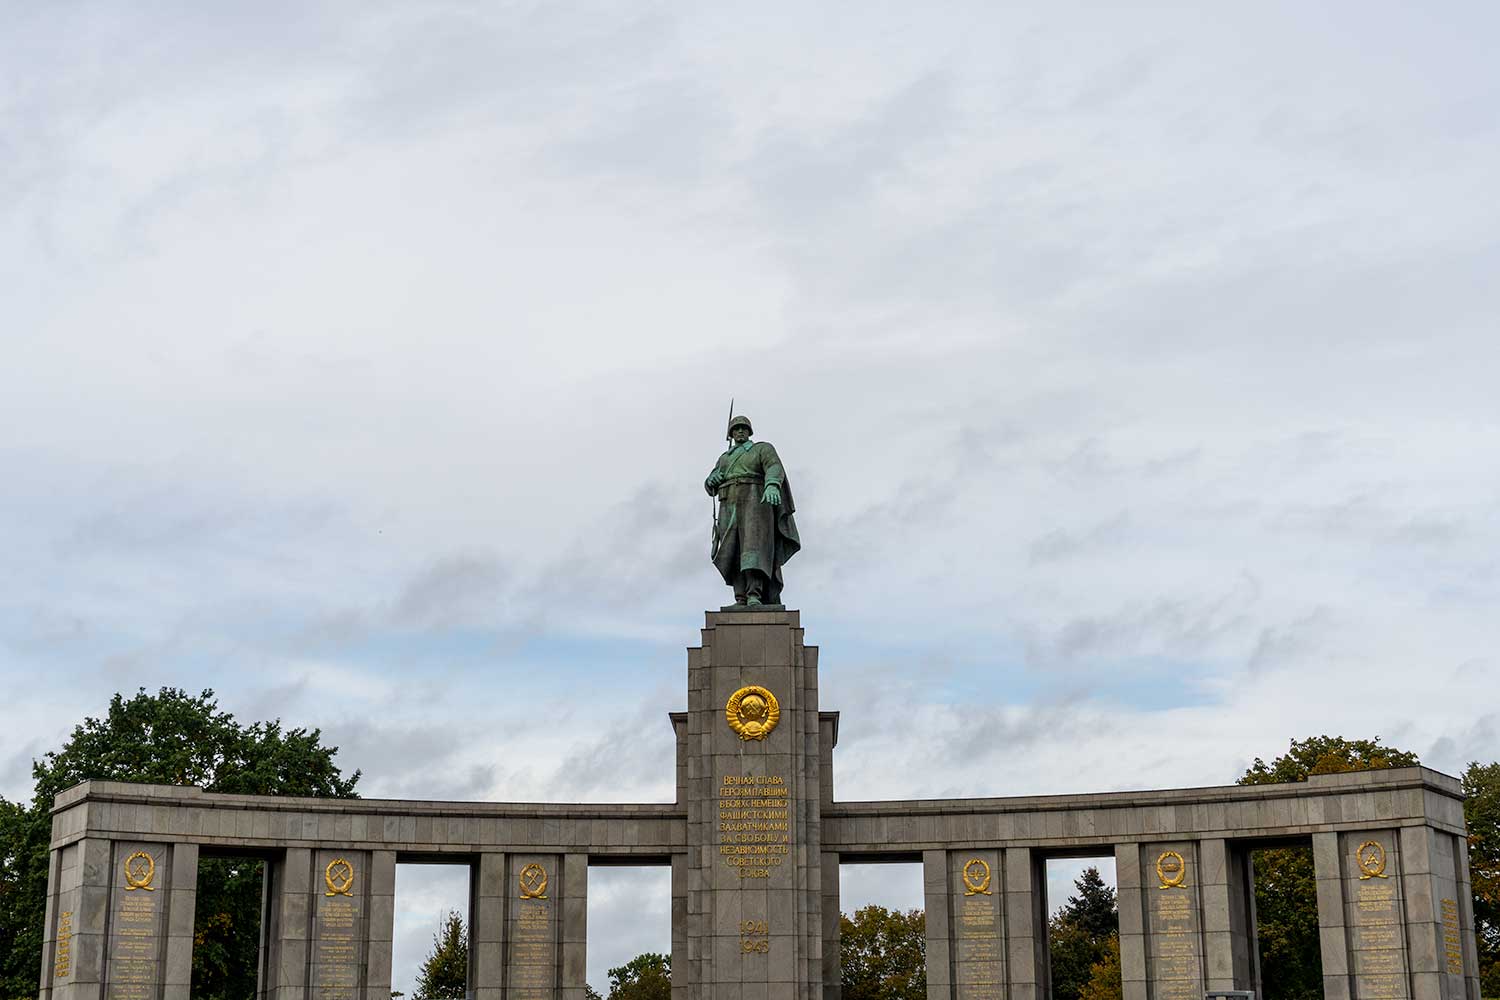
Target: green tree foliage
[
  {"x": 169, "y": 737},
  {"x": 1079, "y": 935},
  {"x": 1326, "y": 755},
  {"x": 1104, "y": 975},
  {"x": 1286, "y": 898},
  {"x": 1482, "y": 812},
  {"x": 445, "y": 972},
  {"x": 645, "y": 977},
  {"x": 883, "y": 954}
]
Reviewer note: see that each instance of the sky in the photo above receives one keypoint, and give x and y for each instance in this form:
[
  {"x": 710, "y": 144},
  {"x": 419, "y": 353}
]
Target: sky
[{"x": 1133, "y": 366}]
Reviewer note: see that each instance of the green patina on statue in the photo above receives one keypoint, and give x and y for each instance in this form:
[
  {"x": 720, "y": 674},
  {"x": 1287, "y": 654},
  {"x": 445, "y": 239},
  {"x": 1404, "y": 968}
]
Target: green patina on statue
[{"x": 754, "y": 533}]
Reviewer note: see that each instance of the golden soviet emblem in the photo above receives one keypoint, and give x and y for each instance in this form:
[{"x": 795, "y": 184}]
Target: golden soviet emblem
[
  {"x": 752, "y": 712},
  {"x": 140, "y": 869},
  {"x": 533, "y": 882},
  {"x": 1371, "y": 859},
  {"x": 977, "y": 877},
  {"x": 1171, "y": 870},
  {"x": 339, "y": 878}
]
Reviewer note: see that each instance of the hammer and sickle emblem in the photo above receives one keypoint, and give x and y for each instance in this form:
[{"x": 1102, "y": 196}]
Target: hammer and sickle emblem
[
  {"x": 339, "y": 877},
  {"x": 140, "y": 869},
  {"x": 1171, "y": 870},
  {"x": 1371, "y": 859},
  {"x": 752, "y": 712},
  {"x": 977, "y": 877},
  {"x": 533, "y": 882}
]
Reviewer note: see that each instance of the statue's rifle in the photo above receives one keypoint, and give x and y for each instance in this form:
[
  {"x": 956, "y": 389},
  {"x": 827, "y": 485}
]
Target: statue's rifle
[{"x": 713, "y": 501}]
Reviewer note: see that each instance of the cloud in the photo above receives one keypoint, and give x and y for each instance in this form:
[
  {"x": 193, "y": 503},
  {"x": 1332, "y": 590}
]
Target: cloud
[{"x": 1131, "y": 368}]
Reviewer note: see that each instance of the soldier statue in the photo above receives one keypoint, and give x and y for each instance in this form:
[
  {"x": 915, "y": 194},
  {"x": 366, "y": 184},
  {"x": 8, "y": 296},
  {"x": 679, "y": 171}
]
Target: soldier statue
[{"x": 754, "y": 532}]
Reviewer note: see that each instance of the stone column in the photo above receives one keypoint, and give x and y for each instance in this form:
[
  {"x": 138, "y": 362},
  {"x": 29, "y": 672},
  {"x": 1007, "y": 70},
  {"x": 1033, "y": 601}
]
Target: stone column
[
  {"x": 534, "y": 925},
  {"x": 1026, "y": 923},
  {"x": 1466, "y": 923},
  {"x": 1228, "y": 932},
  {"x": 382, "y": 924},
  {"x": 285, "y": 935},
  {"x": 78, "y": 903},
  {"x": 328, "y": 926},
  {"x": 575, "y": 913},
  {"x": 755, "y": 921},
  {"x": 52, "y": 931},
  {"x": 833, "y": 986},
  {"x": 1433, "y": 916},
  {"x": 339, "y": 939},
  {"x": 976, "y": 897},
  {"x": 1332, "y": 931},
  {"x": 182, "y": 907},
  {"x": 683, "y": 967},
  {"x": 487, "y": 899},
  {"x": 1132, "y": 921},
  {"x": 1370, "y": 891},
  {"x": 939, "y": 925},
  {"x": 129, "y": 929},
  {"x": 1171, "y": 882}
]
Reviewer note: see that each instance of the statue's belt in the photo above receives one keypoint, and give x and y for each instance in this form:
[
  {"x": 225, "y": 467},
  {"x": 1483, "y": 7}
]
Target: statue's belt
[{"x": 739, "y": 480}]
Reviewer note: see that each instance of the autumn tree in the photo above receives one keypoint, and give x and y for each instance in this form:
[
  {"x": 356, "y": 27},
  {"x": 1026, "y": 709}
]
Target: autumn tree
[
  {"x": 1286, "y": 899},
  {"x": 169, "y": 737},
  {"x": 1079, "y": 934},
  {"x": 645, "y": 977},
  {"x": 444, "y": 974},
  {"x": 883, "y": 954},
  {"x": 1482, "y": 813},
  {"x": 1104, "y": 981}
]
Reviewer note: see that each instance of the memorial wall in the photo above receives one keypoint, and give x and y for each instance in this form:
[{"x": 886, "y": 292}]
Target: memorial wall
[{"x": 754, "y": 840}]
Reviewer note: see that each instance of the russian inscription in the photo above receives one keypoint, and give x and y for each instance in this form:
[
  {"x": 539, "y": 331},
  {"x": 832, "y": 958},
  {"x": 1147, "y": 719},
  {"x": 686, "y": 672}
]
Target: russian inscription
[
  {"x": 754, "y": 829},
  {"x": 336, "y": 937},
  {"x": 1176, "y": 952},
  {"x": 135, "y": 938},
  {"x": 62, "y": 963},
  {"x": 978, "y": 933},
  {"x": 1453, "y": 948},
  {"x": 1377, "y": 938},
  {"x": 532, "y": 966}
]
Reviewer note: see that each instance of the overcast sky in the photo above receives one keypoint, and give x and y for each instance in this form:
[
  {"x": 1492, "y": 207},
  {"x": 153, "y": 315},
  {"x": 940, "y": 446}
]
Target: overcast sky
[{"x": 1134, "y": 370}]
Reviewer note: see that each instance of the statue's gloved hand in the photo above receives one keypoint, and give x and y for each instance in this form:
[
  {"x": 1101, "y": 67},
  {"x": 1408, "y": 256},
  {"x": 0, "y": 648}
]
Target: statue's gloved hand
[
  {"x": 715, "y": 478},
  {"x": 772, "y": 495}
]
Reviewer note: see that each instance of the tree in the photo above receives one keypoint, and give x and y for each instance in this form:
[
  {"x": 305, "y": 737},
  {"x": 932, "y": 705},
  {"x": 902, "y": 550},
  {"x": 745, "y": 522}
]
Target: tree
[
  {"x": 1286, "y": 899},
  {"x": 883, "y": 954},
  {"x": 169, "y": 737},
  {"x": 1078, "y": 935},
  {"x": 1104, "y": 975},
  {"x": 1482, "y": 813},
  {"x": 645, "y": 977},
  {"x": 445, "y": 972}
]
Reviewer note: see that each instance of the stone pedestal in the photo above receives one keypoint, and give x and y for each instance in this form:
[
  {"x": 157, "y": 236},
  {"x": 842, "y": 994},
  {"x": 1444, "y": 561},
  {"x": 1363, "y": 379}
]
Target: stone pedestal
[{"x": 753, "y": 871}]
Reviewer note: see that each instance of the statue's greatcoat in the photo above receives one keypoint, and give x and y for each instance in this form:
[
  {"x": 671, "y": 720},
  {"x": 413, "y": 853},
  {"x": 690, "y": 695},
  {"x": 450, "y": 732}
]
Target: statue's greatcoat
[{"x": 753, "y": 535}]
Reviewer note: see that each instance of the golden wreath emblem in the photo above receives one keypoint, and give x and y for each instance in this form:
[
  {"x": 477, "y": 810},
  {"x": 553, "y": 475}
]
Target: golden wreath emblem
[
  {"x": 1171, "y": 870},
  {"x": 533, "y": 882},
  {"x": 339, "y": 878},
  {"x": 140, "y": 869},
  {"x": 977, "y": 877},
  {"x": 1371, "y": 860},
  {"x": 752, "y": 712}
]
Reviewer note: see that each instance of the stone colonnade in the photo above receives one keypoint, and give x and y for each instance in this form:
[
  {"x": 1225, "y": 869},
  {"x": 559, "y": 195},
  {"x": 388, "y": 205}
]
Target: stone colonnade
[{"x": 754, "y": 840}]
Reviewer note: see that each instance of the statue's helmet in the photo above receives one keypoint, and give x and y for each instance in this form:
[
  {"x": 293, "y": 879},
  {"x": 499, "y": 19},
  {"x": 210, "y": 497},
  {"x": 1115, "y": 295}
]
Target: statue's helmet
[{"x": 739, "y": 422}]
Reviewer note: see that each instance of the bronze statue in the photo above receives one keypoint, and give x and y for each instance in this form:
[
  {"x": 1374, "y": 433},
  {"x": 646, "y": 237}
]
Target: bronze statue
[{"x": 754, "y": 532}]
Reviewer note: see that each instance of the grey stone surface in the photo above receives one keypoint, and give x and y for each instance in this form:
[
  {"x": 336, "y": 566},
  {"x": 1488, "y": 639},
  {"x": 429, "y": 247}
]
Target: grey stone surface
[
  {"x": 534, "y": 925},
  {"x": 769, "y": 808}
]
